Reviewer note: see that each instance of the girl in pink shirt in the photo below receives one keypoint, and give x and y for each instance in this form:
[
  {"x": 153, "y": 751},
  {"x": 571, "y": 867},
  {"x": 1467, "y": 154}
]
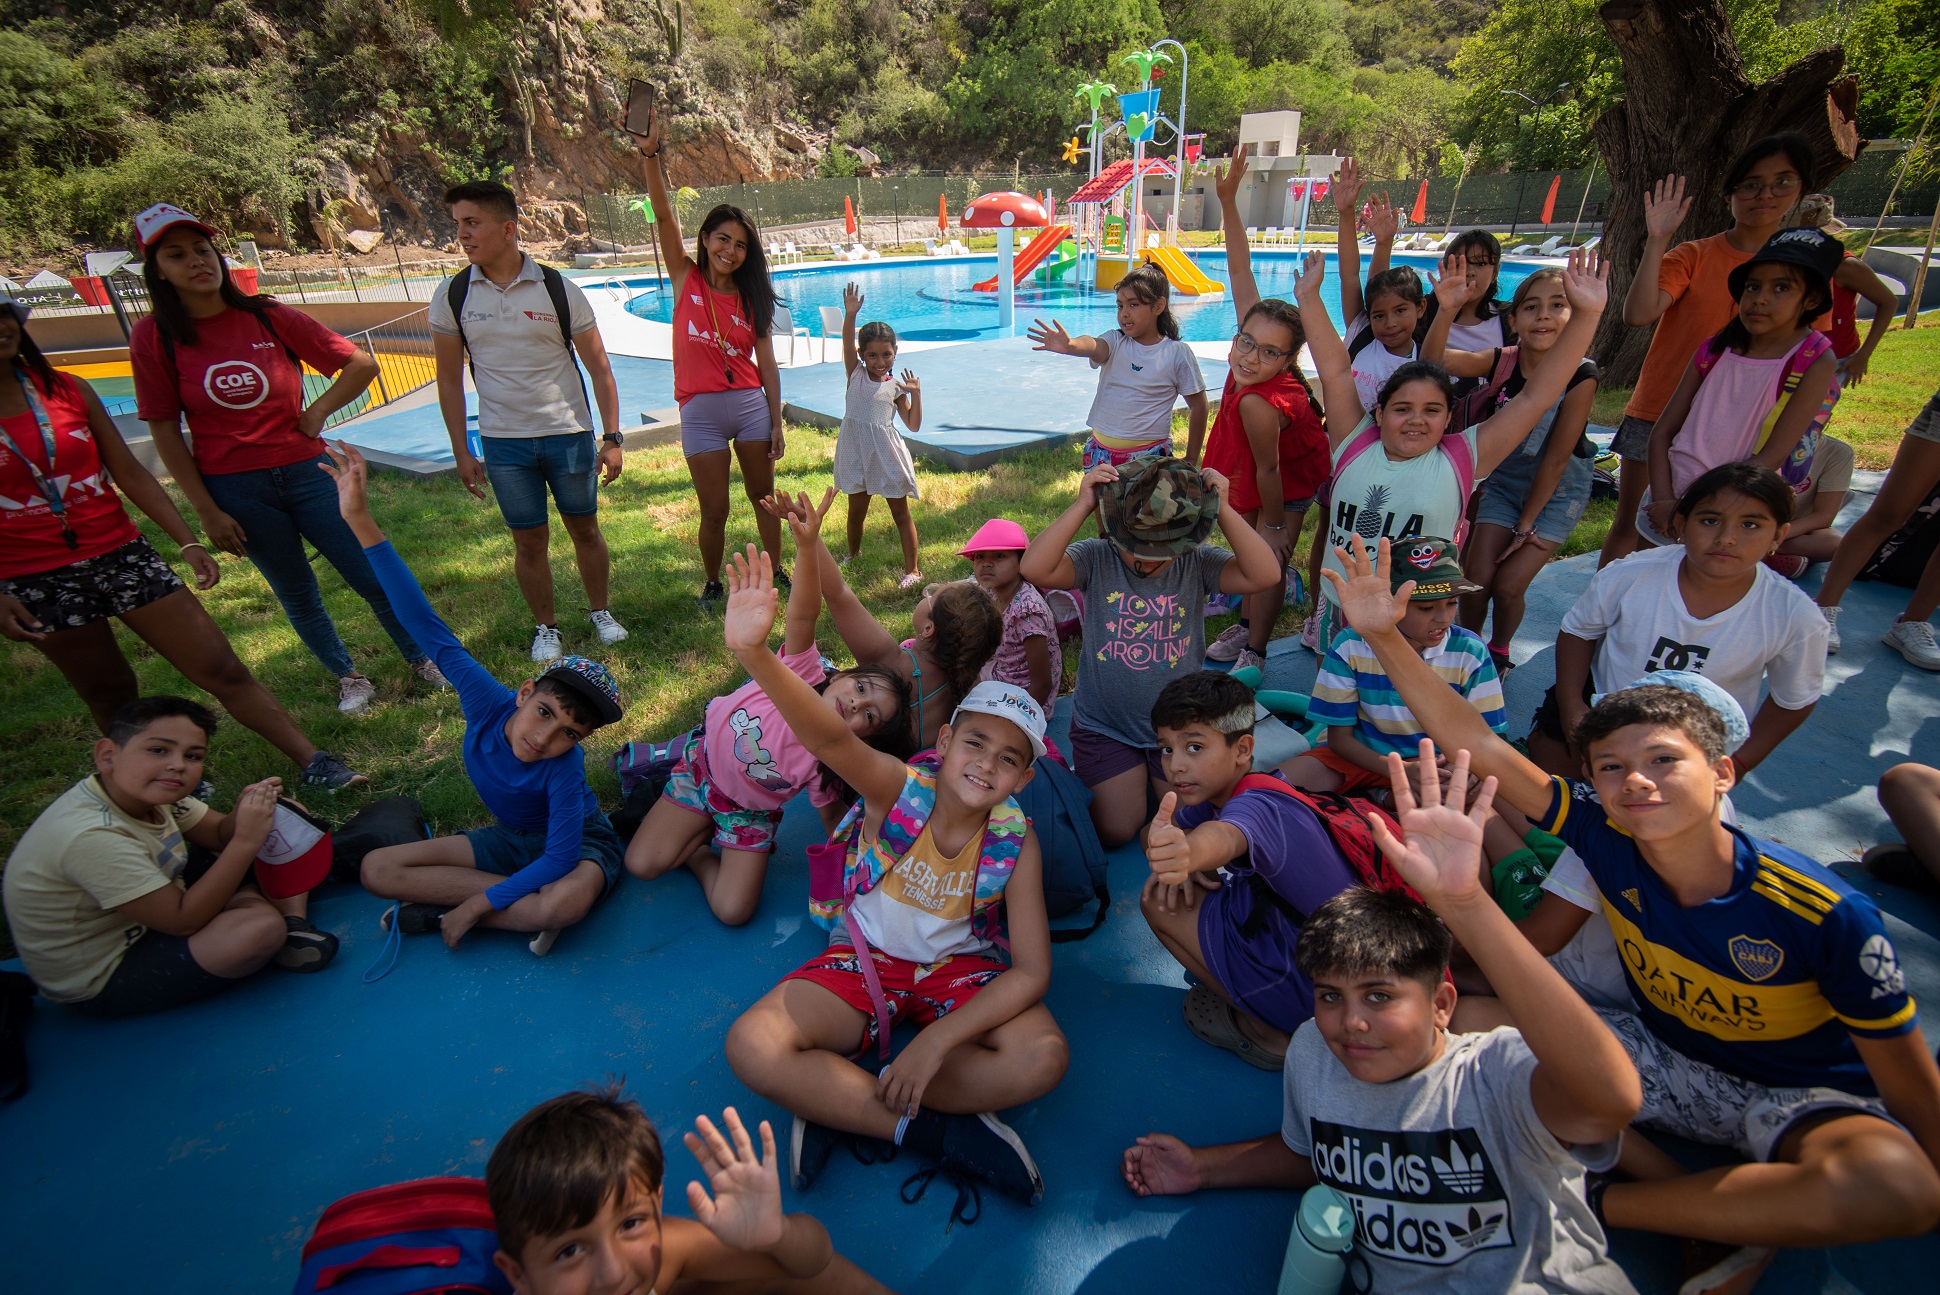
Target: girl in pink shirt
[{"x": 723, "y": 800}]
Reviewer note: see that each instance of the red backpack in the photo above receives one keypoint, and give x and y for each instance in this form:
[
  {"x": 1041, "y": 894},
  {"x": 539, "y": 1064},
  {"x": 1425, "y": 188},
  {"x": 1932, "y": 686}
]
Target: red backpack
[
  {"x": 1350, "y": 821},
  {"x": 434, "y": 1236}
]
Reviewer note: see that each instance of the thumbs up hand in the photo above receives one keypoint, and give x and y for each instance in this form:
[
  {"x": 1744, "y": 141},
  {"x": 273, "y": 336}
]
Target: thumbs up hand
[{"x": 1166, "y": 847}]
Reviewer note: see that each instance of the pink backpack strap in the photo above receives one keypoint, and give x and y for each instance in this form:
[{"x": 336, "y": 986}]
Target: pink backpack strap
[
  {"x": 870, "y": 981},
  {"x": 1461, "y": 457},
  {"x": 1359, "y": 443}
]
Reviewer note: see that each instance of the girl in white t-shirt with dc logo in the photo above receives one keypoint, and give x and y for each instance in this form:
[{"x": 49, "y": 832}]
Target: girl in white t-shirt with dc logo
[{"x": 1143, "y": 370}]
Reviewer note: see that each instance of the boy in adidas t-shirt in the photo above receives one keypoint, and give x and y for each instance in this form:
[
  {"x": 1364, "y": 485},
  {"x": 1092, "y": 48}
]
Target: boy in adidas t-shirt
[
  {"x": 1770, "y": 1011},
  {"x": 1463, "y": 1156}
]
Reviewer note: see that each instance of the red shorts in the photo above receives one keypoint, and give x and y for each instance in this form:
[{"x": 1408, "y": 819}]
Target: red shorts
[
  {"x": 914, "y": 992},
  {"x": 1353, "y": 777}
]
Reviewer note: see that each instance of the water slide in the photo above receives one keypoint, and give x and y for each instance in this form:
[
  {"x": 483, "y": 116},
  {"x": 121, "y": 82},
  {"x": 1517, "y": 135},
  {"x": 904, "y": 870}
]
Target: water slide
[
  {"x": 1067, "y": 258},
  {"x": 1182, "y": 272},
  {"x": 1027, "y": 260}
]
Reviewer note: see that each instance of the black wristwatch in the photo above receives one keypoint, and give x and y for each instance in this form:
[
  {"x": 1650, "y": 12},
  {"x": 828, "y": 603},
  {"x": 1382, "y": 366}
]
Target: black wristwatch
[{"x": 613, "y": 438}]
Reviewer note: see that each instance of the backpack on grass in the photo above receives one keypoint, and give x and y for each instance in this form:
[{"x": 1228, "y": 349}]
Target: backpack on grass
[{"x": 433, "y": 1236}]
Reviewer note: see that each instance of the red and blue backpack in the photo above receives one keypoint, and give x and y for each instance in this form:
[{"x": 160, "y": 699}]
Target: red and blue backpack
[{"x": 434, "y": 1236}]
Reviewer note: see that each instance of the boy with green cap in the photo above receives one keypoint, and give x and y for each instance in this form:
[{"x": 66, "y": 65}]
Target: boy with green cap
[
  {"x": 1365, "y": 717},
  {"x": 1145, "y": 587}
]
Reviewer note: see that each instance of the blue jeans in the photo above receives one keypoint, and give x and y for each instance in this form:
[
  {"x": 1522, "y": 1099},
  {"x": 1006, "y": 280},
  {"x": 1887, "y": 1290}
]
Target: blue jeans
[
  {"x": 278, "y": 509},
  {"x": 522, "y": 467}
]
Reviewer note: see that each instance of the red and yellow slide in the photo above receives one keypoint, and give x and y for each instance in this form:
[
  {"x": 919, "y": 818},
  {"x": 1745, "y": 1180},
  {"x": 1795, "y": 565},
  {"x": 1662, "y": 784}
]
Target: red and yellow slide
[{"x": 1027, "y": 260}]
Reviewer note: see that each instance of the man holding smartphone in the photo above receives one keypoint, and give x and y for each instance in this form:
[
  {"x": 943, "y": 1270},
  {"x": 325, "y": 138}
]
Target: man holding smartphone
[{"x": 526, "y": 329}]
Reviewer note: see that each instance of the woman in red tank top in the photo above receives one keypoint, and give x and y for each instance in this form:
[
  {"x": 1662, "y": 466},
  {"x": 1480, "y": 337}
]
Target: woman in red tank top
[
  {"x": 1267, "y": 438},
  {"x": 725, "y": 377}
]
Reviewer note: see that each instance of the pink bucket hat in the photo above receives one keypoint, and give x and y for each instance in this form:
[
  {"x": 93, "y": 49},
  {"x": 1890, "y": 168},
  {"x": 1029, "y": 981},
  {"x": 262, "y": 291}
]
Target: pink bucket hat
[{"x": 997, "y": 535}]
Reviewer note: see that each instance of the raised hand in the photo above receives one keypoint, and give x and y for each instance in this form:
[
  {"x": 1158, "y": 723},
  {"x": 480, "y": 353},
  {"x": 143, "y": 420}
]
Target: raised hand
[
  {"x": 1383, "y": 218},
  {"x": 352, "y": 475},
  {"x": 1367, "y": 603},
  {"x": 1586, "y": 281},
  {"x": 744, "y": 1212},
  {"x": 1308, "y": 278},
  {"x": 1227, "y": 186},
  {"x": 1665, "y": 207},
  {"x": 805, "y": 521},
  {"x": 650, "y": 142},
  {"x": 784, "y": 507},
  {"x": 909, "y": 384},
  {"x": 851, "y": 299},
  {"x": 1158, "y": 1164},
  {"x": 752, "y": 601},
  {"x": 1440, "y": 853},
  {"x": 1347, "y": 185},
  {"x": 1166, "y": 847},
  {"x": 1452, "y": 286},
  {"x": 1049, "y": 337}
]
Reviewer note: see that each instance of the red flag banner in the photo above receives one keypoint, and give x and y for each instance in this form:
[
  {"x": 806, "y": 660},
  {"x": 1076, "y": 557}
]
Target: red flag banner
[
  {"x": 848, "y": 214},
  {"x": 1420, "y": 214},
  {"x": 1549, "y": 203},
  {"x": 942, "y": 214}
]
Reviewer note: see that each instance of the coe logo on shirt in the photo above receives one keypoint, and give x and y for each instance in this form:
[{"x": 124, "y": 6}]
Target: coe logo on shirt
[{"x": 235, "y": 384}]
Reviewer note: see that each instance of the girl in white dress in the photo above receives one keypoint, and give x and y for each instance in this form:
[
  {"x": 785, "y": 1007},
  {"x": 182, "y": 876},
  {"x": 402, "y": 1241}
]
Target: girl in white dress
[{"x": 870, "y": 457}]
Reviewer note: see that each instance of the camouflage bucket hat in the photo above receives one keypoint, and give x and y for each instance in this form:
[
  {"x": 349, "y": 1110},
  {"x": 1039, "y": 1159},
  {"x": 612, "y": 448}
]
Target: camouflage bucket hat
[{"x": 1158, "y": 508}]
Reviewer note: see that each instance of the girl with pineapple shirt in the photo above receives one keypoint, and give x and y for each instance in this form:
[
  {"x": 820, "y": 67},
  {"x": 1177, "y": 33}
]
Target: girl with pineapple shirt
[{"x": 1398, "y": 471}]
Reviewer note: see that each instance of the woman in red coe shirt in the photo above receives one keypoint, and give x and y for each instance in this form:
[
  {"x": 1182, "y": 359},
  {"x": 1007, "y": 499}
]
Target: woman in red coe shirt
[
  {"x": 70, "y": 559},
  {"x": 231, "y": 365}
]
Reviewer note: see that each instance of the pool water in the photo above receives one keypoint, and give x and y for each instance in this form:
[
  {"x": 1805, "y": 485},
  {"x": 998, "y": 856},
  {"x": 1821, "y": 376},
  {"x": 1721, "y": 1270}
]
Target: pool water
[{"x": 933, "y": 301}]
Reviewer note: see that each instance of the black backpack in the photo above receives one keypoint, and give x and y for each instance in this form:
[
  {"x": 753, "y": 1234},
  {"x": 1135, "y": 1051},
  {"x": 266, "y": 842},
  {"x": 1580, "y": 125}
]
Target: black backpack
[
  {"x": 1059, "y": 809},
  {"x": 1902, "y": 556},
  {"x": 460, "y": 287}
]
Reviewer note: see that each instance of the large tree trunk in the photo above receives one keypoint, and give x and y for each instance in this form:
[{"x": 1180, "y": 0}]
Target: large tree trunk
[{"x": 1688, "y": 110}]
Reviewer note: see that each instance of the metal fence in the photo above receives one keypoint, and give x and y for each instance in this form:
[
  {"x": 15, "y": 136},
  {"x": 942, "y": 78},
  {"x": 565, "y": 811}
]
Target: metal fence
[{"x": 402, "y": 281}]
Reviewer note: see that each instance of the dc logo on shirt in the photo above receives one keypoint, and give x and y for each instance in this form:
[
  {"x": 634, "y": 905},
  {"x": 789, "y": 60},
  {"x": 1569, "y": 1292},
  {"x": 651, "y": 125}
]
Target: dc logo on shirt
[
  {"x": 235, "y": 384},
  {"x": 1672, "y": 655}
]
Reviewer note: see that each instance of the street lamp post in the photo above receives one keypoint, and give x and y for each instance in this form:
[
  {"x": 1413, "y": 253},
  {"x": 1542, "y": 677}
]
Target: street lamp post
[
  {"x": 1522, "y": 182},
  {"x": 897, "y": 190}
]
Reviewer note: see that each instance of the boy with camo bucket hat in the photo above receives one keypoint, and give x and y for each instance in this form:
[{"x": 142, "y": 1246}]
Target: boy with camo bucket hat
[{"x": 1145, "y": 587}]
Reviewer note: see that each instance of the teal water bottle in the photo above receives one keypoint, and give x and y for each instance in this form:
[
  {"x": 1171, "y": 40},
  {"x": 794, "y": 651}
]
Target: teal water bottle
[{"x": 1322, "y": 1234}]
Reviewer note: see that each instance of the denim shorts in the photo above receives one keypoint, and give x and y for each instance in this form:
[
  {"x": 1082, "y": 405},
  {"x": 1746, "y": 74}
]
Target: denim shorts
[
  {"x": 1632, "y": 440},
  {"x": 504, "y": 850},
  {"x": 714, "y": 420},
  {"x": 1504, "y": 494},
  {"x": 1926, "y": 424},
  {"x": 522, "y": 467}
]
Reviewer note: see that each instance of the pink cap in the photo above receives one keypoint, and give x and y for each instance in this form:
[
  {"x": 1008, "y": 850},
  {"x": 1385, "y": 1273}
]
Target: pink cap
[
  {"x": 995, "y": 535},
  {"x": 161, "y": 218}
]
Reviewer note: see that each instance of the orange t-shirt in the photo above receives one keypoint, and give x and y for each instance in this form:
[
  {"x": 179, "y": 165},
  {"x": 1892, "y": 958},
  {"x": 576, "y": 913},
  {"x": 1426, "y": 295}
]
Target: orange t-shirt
[{"x": 1694, "y": 273}]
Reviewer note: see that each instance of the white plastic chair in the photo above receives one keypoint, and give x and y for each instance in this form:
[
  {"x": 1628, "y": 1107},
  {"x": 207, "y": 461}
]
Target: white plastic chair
[
  {"x": 785, "y": 324},
  {"x": 1270, "y": 236},
  {"x": 1252, "y": 234},
  {"x": 831, "y": 329}
]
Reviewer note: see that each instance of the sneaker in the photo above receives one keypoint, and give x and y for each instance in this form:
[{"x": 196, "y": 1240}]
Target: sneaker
[
  {"x": 1789, "y": 565},
  {"x": 354, "y": 693},
  {"x": 545, "y": 643},
  {"x": 413, "y": 919},
  {"x": 305, "y": 948},
  {"x": 809, "y": 1146},
  {"x": 910, "y": 580},
  {"x": 1503, "y": 665},
  {"x": 1831, "y": 615},
  {"x": 1230, "y": 643},
  {"x": 1310, "y": 633},
  {"x": 331, "y": 774},
  {"x": 712, "y": 595},
  {"x": 1896, "y": 864},
  {"x": 428, "y": 671},
  {"x": 1248, "y": 659},
  {"x": 1914, "y": 641},
  {"x": 609, "y": 630},
  {"x": 985, "y": 1148}
]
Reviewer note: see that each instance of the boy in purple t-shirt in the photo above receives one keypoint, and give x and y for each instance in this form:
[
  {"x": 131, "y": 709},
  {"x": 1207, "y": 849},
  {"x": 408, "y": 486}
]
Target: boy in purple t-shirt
[{"x": 1279, "y": 860}]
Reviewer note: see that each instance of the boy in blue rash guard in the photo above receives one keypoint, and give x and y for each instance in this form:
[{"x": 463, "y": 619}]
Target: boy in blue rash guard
[
  {"x": 1770, "y": 1011},
  {"x": 553, "y": 848}
]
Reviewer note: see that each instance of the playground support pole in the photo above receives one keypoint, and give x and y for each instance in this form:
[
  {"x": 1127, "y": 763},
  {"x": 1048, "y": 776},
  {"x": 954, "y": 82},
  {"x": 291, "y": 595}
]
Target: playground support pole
[
  {"x": 1006, "y": 290},
  {"x": 1585, "y": 200},
  {"x": 1179, "y": 161}
]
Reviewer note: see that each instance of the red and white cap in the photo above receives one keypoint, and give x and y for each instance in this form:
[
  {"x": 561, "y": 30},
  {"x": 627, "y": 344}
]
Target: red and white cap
[
  {"x": 295, "y": 858},
  {"x": 161, "y": 218}
]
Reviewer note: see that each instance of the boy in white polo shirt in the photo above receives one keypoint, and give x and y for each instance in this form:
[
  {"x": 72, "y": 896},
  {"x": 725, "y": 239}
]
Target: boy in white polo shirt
[{"x": 522, "y": 324}]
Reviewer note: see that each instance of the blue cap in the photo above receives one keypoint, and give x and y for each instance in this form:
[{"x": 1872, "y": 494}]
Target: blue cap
[
  {"x": 1736, "y": 728},
  {"x": 591, "y": 680}
]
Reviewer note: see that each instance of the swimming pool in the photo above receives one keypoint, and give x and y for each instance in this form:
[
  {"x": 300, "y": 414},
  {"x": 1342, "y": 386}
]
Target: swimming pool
[{"x": 933, "y": 301}]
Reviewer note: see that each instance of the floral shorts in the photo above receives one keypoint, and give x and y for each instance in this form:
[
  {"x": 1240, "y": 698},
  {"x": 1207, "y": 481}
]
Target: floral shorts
[
  {"x": 914, "y": 993},
  {"x": 115, "y": 583},
  {"x": 735, "y": 828},
  {"x": 1096, "y": 453}
]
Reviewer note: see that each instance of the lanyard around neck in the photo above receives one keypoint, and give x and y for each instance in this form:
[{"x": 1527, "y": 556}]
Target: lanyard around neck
[
  {"x": 55, "y": 504},
  {"x": 720, "y": 340}
]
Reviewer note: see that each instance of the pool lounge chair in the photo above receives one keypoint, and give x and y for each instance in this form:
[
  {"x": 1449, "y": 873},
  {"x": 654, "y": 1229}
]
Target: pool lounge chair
[{"x": 1548, "y": 247}]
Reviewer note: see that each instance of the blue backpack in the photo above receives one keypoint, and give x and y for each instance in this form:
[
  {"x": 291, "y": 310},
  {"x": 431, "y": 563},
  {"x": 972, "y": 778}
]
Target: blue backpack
[
  {"x": 434, "y": 1236},
  {"x": 1059, "y": 808}
]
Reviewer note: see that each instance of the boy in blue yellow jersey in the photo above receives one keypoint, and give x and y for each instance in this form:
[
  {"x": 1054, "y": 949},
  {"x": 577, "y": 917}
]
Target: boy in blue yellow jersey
[{"x": 1771, "y": 1014}]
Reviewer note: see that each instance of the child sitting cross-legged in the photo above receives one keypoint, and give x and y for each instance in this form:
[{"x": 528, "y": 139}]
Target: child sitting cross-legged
[
  {"x": 1464, "y": 1157},
  {"x": 1028, "y": 656},
  {"x": 1353, "y": 698},
  {"x": 577, "y": 1193},
  {"x": 744, "y": 762},
  {"x": 938, "y": 862},
  {"x": 550, "y": 854},
  {"x": 1769, "y": 1012},
  {"x": 1237, "y": 936},
  {"x": 95, "y": 893}
]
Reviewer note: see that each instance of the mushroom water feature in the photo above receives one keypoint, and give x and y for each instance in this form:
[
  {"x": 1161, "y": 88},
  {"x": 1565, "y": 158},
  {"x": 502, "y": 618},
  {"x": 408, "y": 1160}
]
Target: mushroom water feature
[{"x": 1005, "y": 213}]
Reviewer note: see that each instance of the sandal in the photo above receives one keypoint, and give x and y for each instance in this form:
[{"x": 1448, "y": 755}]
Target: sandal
[{"x": 1211, "y": 1018}]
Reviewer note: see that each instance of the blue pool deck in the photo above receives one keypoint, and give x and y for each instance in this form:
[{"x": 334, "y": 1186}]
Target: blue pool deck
[{"x": 193, "y": 1151}]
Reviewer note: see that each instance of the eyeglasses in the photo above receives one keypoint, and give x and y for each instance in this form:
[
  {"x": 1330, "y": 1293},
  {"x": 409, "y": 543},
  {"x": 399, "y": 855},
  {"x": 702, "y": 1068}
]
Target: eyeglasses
[
  {"x": 1245, "y": 345},
  {"x": 1783, "y": 185}
]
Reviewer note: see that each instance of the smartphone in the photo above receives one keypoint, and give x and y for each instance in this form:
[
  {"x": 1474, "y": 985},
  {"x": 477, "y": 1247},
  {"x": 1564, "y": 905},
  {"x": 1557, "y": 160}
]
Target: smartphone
[{"x": 639, "y": 106}]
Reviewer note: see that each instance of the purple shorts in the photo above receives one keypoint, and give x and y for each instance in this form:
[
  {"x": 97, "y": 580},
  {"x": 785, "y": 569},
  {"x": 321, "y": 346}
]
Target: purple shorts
[
  {"x": 714, "y": 420},
  {"x": 1096, "y": 758}
]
